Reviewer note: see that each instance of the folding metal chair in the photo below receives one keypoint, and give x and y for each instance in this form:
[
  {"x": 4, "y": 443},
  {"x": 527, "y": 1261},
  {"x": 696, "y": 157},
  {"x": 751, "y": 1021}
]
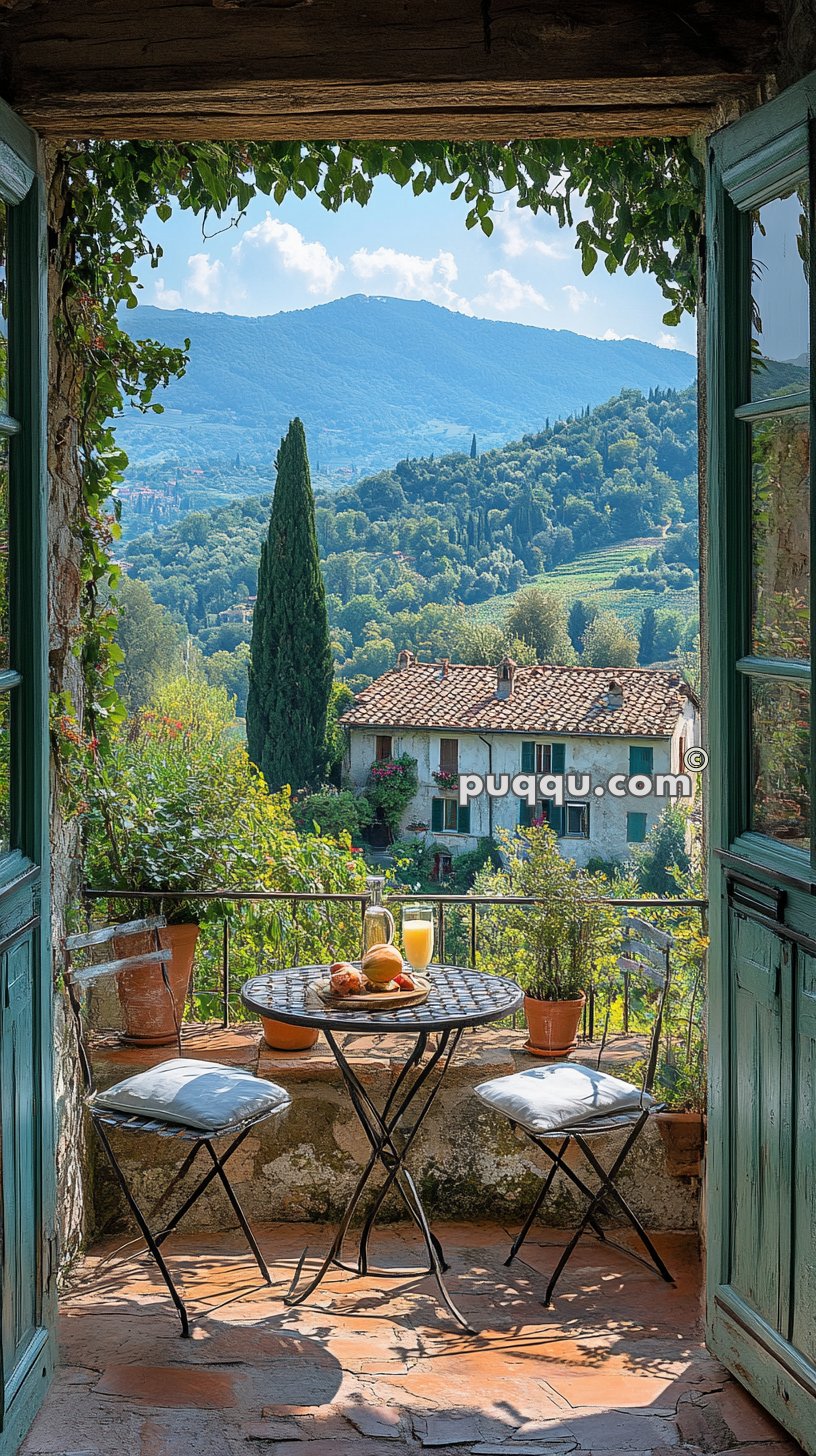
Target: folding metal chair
[
  {"x": 184, "y": 1099},
  {"x": 575, "y": 1104}
]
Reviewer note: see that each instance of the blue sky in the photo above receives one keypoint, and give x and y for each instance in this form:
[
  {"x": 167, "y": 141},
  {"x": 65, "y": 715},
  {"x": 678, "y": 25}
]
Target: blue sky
[{"x": 298, "y": 255}]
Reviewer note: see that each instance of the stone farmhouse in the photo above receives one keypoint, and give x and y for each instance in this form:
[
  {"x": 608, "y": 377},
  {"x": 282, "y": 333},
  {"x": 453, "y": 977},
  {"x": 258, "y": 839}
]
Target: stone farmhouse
[{"x": 510, "y": 720}]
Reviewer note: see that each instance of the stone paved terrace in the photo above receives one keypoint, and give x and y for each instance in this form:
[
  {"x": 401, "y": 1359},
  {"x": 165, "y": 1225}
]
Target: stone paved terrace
[{"x": 617, "y": 1366}]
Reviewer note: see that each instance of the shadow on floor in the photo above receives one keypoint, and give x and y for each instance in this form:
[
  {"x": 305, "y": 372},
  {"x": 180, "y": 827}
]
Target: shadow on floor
[{"x": 366, "y": 1365}]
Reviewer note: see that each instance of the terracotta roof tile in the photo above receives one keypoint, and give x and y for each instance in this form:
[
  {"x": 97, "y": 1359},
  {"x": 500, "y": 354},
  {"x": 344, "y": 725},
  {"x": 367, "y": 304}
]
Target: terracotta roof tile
[{"x": 544, "y": 700}]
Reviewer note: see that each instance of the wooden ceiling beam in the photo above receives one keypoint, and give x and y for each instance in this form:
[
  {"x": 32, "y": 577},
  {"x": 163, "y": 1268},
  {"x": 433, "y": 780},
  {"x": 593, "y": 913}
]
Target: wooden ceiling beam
[{"x": 190, "y": 69}]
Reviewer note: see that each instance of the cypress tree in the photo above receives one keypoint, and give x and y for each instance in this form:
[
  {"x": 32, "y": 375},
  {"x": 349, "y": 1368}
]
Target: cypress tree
[
  {"x": 473, "y": 448},
  {"x": 647, "y": 637},
  {"x": 290, "y": 662}
]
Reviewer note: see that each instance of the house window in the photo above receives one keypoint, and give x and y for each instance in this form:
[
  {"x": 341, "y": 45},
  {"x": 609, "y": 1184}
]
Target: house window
[
  {"x": 542, "y": 758},
  {"x": 576, "y": 821},
  {"x": 449, "y": 755},
  {"x": 384, "y": 746},
  {"x": 641, "y": 760},
  {"x": 544, "y": 811},
  {"x": 635, "y": 828},
  {"x": 448, "y": 817}
]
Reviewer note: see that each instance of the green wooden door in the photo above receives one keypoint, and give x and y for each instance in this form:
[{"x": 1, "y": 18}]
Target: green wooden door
[
  {"x": 762, "y": 1134},
  {"x": 27, "y": 1246}
]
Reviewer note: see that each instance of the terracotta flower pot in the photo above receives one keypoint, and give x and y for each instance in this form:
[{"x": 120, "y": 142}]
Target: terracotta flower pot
[
  {"x": 683, "y": 1135},
  {"x": 146, "y": 1006},
  {"x": 552, "y": 1026},
  {"x": 281, "y": 1036}
]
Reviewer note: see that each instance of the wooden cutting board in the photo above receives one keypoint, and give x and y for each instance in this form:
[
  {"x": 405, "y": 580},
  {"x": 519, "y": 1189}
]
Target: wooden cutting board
[{"x": 373, "y": 1000}]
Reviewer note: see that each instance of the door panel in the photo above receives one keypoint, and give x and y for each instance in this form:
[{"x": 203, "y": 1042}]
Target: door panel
[
  {"x": 761, "y": 1267},
  {"x": 18, "y": 1064},
  {"x": 27, "y": 1174},
  {"x": 757, "y": 1118},
  {"x": 803, "y": 1305}
]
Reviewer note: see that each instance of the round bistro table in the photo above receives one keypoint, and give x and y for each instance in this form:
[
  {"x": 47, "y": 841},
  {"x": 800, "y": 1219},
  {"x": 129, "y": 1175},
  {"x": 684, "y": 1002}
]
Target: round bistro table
[{"x": 459, "y": 998}]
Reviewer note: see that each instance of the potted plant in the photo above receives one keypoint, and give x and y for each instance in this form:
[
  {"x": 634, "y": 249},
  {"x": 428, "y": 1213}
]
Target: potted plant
[
  {"x": 680, "y": 1084},
  {"x": 162, "y": 816},
  {"x": 555, "y": 945}
]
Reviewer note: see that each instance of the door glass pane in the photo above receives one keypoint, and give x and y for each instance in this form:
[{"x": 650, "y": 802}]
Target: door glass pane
[
  {"x": 779, "y": 293},
  {"x": 5, "y": 774},
  {"x": 781, "y": 537},
  {"x": 780, "y": 754}
]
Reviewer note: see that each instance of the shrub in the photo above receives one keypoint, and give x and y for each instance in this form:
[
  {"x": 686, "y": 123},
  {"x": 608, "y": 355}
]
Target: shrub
[
  {"x": 331, "y": 813},
  {"x": 392, "y": 783}
]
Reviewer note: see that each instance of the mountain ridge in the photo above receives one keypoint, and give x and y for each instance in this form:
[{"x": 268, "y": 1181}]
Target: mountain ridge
[{"x": 375, "y": 379}]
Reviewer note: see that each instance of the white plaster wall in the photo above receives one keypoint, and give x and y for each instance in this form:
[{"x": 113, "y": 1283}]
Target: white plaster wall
[{"x": 595, "y": 755}]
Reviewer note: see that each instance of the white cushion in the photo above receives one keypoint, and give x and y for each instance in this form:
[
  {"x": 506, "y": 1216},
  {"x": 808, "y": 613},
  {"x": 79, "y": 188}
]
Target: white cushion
[
  {"x": 195, "y": 1094},
  {"x": 565, "y": 1094}
]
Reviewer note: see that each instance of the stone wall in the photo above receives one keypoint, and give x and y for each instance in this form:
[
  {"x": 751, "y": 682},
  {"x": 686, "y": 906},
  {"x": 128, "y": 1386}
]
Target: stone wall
[
  {"x": 467, "y": 1161},
  {"x": 66, "y": 518}
]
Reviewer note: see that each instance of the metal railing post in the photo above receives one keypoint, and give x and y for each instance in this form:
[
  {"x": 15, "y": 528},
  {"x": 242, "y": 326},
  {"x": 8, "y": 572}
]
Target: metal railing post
[{"x": 225, "y": 973}]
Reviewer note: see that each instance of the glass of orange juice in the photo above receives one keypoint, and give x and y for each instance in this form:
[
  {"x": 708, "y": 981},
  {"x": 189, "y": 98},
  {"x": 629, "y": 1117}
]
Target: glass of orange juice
[{"x": 418, "y": 935}]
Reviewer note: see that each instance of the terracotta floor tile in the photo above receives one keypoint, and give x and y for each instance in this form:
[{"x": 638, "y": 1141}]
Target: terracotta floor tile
[
  {"x": 382, "y": 1422},
  {"x": 602, "y": 1387},
  {"x": 169, "y": 1385},
  {"x": 438, "y": 1430},
  {"x": 612, "y": 1368},
  {"x": 746, "y": 1420}
]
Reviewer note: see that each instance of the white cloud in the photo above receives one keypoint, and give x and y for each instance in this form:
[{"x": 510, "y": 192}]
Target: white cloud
[
  {"x": 611, "y": 334},
  {"x": 165, "y": 297},
  {"x": 576, "y": 297},
  {"x": 516, "y": 230},
  {"x": 666, "y": 341},
  {"x": 505, "y": 294},
  {"x": 407, "y": 275},
  {"x": 312, "y": 260},
  {"x": 205, "y": 279},
  {"x": 205, "y": 289}
]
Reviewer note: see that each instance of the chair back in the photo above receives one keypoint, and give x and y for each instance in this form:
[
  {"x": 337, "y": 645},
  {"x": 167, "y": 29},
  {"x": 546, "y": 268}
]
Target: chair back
[
  {"x": 647, "y": 953},
  {"x": 78, "y": 978}
]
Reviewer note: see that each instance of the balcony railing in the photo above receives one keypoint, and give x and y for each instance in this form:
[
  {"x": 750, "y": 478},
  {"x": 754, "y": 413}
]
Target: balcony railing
[{"x": 216, "y": 986}]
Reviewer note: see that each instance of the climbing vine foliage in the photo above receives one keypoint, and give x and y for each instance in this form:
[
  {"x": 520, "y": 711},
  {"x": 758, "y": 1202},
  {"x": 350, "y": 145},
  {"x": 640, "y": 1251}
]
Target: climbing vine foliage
[{"x": 636, "y": 205}]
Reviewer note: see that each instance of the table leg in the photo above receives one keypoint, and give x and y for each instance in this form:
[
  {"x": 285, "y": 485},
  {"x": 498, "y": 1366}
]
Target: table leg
[{"x": 381, "y": 1128}]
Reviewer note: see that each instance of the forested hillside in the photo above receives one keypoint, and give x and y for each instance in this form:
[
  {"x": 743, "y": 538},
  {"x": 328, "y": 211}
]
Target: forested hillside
[
  {"x": 373, "y": 379},
  {"x": 401, "y": 548}
]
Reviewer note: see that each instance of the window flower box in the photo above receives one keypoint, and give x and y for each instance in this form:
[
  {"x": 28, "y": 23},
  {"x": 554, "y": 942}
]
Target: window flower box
[{"x": 444, "y": 780}]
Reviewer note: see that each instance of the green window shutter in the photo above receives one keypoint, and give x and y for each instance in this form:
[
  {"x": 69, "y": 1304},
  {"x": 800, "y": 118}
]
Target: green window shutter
[
  {"x": 525, "y": 813},
  {"x": 436, "y": 816},
  {"x": 641, "y": 760},
  {"x": 635, "y": 828},
  {"x": 463, "y": 820},
  {"x": 557, "y": 818},
  {"x": 528, "y": 758},
  {"x": 558, "y": 750}
]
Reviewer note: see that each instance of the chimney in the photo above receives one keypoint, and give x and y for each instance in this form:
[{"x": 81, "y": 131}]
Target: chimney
[
  {"x": 505, "y": 673},
  {"x": 443, "y": 667},
  {"x": 614, "y": 694},
  {"x": 404, "y": 660}
]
